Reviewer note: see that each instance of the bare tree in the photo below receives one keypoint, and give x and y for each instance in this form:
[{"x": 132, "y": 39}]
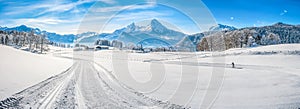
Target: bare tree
[
  {"x": 42, "y": 42},
  {"x": 203, "y": 45}
]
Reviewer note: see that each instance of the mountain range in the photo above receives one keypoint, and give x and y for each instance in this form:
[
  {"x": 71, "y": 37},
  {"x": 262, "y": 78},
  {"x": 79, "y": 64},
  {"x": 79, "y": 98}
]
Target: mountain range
[
  {"x": 156, "y": 34},
  {"x": 50, "y": 35},
  {"x": 131, "y": 33},
  {"x": 151, "y": 34}
]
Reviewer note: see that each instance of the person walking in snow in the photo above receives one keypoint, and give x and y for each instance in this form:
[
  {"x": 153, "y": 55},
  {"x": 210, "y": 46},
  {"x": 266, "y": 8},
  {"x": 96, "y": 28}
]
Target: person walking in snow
[{"x": 232, "y": 65}]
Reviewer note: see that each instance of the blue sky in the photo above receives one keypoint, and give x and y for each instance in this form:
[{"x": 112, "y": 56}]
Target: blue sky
[
  {"x": 76, "y": 16},
  {"x": 140, "y": 15},
  {"x": 244, "y": 13}
]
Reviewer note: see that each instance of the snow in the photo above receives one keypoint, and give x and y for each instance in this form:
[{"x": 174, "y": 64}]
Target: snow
[
  {"x": 266, "y": 77},
  {"x": 135, "y": 33},
  {"x": 21, "y": 69},
  {"x": 270, "y": 48},
  {"x": 221, "y": 27},
  {"x": 262, "y": 81}
]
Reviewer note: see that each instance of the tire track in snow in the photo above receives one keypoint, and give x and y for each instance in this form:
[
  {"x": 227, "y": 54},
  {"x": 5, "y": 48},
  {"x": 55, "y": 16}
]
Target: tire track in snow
[
  {"x": 127, "y": 94},
  {"x": 83, "y": 86},
  {"x": 80, "y": 104},
  {"x": 49, "y": 100},
  {"x": 31, "y": 97}
]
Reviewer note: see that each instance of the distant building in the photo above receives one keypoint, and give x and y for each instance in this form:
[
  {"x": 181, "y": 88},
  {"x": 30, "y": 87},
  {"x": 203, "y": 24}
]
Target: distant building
[
  {"x": 117, "y": 44},
  {"x": 101, "y": 47},
  {"x": 102, "y": 42},
  {"x": 147, "y": 50}
]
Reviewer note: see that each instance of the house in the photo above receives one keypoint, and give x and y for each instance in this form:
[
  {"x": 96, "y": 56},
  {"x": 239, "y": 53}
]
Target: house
[
  {"x": 103, "y": 42},
  {"x": 101, "y": 47}
]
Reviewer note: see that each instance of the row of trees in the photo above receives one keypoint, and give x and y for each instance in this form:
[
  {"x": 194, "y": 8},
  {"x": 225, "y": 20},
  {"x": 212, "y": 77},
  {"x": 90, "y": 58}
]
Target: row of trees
[
  {"x": 248, "y": 37},
  {"x": 63, "y": 45},
  {"x": 236, "y": 39},
  {"x": 114, "y": 43},
  {"x": 33, "y": 42}
]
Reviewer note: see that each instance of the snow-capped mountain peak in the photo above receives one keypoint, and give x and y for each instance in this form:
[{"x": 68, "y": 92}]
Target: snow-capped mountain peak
[
  {"x": 131, "y": 27},
  {"x": 281, "y": 24},
  {"x": 156, "y": 23},
  {"x": 135, "y": 33},
  {"x": 221, "y": 27},
  {"x": 23, "y": 28},
  {"x": 156, "y": 26}
]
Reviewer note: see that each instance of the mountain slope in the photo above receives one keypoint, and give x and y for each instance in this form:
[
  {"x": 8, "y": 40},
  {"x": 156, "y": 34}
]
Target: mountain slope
[
  {"x": 137, "y": 34},
  {"x": 69, "y": 38},
  {"x": 286, "y": 32},
  {"x": 278, "y": 33},
  {"x": 191, "y": 41},
  {"x": 221, "y": 27}
]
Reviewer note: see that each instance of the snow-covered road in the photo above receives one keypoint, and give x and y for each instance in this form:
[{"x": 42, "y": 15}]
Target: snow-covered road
[{"x": 81, "y": 86}]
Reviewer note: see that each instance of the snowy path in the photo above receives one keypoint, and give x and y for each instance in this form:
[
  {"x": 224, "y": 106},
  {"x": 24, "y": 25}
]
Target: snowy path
[
  {"x": 50, "y": 99},
  {"x": 82, "y": 86}
]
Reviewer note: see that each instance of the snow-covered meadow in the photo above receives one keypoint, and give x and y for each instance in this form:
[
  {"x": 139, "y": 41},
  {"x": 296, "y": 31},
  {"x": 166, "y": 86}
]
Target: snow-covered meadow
[
  {"x": 264, "y": 77},
  {"x": 21, "y": 69}
]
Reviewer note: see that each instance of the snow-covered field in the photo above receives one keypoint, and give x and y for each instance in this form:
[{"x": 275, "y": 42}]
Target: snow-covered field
[
  {"x": 265, "y": 77},
  {"x": 21, "y": 69}
]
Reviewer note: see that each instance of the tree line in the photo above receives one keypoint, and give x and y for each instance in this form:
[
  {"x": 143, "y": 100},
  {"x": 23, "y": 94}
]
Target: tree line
[
  {"x": 239, "y": 39},
  {"x": 31, "y": 41}
]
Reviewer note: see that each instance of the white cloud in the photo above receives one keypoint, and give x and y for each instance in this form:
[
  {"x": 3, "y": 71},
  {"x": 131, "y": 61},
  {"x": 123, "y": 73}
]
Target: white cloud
[
  {"x": 62, "y": 7},
  {"x": 47, "y": 6},
  {"x": 142, "y": 15},
  {"x": 108, "y": 9},
  {"x": 109, "y": 1},
  {"x": 260, "y": 23},
  {"x": 24, "y": 8},
  {"x": 284, "y": 12},
  {"x": 94, "y": 18},
  {"x": 50, "y": 24},
  {"x": 120, "y": 8}
]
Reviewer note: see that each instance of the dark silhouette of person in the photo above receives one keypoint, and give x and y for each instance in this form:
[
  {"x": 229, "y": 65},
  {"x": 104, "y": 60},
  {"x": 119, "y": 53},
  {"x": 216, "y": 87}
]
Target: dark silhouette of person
[{"x": 233, "y": 65}]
